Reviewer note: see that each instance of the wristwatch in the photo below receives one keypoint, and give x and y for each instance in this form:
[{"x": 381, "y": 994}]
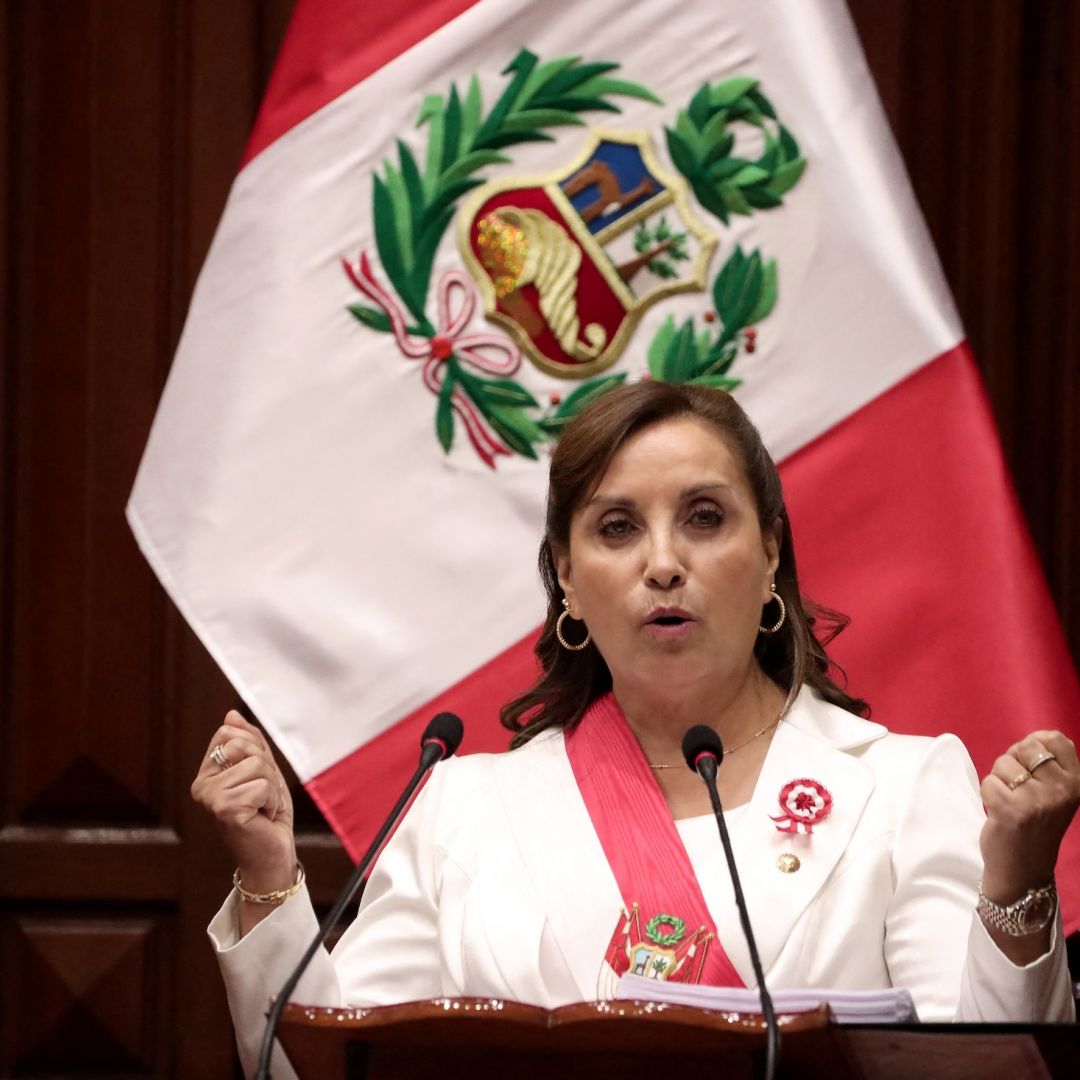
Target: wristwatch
[{"x": 1030, "y": 914}]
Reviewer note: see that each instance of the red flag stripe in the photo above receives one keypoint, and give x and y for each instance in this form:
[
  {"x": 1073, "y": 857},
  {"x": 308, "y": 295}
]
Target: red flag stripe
[
  {"x": 330, "y": 46},
  {"x": 906, "y": 501}
]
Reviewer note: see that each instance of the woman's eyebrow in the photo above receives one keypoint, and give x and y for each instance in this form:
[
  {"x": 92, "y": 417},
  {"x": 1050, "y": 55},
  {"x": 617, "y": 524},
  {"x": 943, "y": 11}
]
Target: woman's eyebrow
[
  {"x": 607, "y": 501},
  {"x": 701, "y": 489}
]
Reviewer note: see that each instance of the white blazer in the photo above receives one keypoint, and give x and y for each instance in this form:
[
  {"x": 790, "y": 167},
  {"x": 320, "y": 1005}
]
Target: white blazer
[{"x": 495, "y": 885}]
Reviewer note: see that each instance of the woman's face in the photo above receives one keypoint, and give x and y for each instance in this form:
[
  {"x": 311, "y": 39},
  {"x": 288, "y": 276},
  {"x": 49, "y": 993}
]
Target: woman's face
[{"x": 667, "y": 564}]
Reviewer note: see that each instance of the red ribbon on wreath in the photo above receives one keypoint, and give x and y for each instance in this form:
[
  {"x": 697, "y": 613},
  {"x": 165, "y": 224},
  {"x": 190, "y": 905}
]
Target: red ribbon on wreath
[
  {"x": 804, "y": 803},
  {"x": 448, "y": 340}
]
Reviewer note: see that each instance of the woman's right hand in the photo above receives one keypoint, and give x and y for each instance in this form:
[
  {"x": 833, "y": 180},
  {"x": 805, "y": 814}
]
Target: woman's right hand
[{"x": 252, "y": 806}]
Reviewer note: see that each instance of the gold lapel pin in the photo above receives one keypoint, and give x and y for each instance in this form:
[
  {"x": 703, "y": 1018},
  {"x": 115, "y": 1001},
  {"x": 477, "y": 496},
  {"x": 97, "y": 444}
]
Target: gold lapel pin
[{"x": 787, "y": 863}]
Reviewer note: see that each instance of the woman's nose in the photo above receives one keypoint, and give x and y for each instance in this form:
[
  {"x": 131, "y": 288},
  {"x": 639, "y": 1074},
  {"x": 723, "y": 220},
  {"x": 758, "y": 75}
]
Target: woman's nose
[{"x": 664, "y": 567}]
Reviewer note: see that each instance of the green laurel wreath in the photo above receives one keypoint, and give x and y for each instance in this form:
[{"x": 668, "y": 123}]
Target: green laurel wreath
[
  {"x": 702, "y": 147},
  {"x": 744, "y": 292},
  {"x": 412, "y": 208},
  {"x": 673, "y": 937}
]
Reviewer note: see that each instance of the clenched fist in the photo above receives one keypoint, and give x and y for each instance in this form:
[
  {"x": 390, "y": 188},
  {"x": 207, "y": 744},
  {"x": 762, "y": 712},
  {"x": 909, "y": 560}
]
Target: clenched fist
[
  {"x": 240, "y": 784},
  {"x": 1031, "y": 796}
]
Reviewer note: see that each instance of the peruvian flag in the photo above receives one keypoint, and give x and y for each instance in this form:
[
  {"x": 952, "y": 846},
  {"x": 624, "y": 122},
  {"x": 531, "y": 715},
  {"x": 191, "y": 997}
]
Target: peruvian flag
[{"x": 455, "y": 222}]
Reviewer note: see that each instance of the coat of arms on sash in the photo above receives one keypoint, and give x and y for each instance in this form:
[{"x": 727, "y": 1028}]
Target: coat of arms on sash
[
  {"x": 663, "y": 950},
  {"x": 568, "y": 262}
]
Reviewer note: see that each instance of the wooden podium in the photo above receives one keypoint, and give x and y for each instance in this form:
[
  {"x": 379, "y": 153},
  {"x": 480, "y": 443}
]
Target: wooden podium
[{"x": 472, "y": 1038}]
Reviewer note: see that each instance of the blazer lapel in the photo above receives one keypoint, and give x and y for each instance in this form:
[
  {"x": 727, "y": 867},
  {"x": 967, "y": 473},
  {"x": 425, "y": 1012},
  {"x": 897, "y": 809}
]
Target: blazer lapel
[
  {"x": 577, "y": 892},
  {"x": 562, "y": 853},
  {"x": 810, "y": 744}
]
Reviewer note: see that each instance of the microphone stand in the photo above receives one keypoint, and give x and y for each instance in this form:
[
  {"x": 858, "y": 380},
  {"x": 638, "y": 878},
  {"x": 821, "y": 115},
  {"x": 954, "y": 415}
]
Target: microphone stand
[
  {"x": 705, "y": 764},
  {"x": 433, "y": 751}
]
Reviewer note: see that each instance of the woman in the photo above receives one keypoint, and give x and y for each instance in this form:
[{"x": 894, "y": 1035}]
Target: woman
[{"x": 541, "y": 874}]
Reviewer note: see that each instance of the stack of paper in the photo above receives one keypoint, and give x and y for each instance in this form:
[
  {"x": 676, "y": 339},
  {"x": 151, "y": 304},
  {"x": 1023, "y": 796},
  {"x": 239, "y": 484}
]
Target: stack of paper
[{"x": 891, "y": 1006}]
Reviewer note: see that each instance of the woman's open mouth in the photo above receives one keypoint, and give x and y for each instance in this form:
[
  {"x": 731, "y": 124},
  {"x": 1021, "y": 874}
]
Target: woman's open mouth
[{"x": 669, "y": 623}]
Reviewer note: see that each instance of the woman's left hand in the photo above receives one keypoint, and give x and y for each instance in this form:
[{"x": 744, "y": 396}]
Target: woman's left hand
[{"x": 1031, "y": 796}]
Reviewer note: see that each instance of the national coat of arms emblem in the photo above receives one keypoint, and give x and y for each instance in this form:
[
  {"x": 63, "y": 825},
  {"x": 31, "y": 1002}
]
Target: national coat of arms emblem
[
  {"x": 567, "y": 263},
  {"x": 665, "y": 949},
  {"x": 554, "y": 259}
]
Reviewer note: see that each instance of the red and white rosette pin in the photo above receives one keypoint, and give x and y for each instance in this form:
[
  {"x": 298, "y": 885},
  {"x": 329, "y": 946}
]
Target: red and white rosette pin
[{"x": 804, "y": 803}]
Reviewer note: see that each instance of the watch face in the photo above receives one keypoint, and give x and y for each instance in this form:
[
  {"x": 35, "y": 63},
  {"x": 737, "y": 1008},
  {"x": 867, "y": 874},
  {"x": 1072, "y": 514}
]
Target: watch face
[{"x": 1035, "y": 914}]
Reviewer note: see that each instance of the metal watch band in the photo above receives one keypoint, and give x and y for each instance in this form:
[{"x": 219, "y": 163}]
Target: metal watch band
[{"x": 1009, "y": 919}]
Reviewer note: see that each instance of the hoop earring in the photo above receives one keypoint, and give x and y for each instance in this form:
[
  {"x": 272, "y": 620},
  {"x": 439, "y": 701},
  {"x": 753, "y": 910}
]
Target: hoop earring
[
  {"x": 783, "y": 612},
  {"x": 558, "y": 630}
]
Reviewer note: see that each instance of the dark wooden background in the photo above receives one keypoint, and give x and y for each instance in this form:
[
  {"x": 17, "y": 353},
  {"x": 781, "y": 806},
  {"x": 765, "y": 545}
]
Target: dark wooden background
[{"x": 121, "y": 126}]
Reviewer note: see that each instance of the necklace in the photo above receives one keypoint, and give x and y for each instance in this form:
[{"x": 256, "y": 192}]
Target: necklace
[{"x": 738, "y": 746}]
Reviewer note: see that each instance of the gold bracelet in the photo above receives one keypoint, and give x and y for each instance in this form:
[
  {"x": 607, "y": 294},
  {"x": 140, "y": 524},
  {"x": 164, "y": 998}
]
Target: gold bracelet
[{"x": 278, "y": 896}]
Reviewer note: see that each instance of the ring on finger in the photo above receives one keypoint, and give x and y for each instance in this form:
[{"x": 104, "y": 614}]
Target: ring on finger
[
  {"x": 219, "y": 757},
  {"x": 1016, "y": 781},
  {"x": 1042, "y": 759}
]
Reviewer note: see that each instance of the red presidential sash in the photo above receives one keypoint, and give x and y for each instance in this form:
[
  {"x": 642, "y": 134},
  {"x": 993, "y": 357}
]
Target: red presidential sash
[{"x": 665, "y": 931}]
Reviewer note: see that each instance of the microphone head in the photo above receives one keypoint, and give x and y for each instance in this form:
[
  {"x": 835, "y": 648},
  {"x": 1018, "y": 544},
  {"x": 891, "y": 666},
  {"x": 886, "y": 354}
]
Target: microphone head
[
  {"x": 701, "y": 740},
  {"x": 445, "y": 730}
]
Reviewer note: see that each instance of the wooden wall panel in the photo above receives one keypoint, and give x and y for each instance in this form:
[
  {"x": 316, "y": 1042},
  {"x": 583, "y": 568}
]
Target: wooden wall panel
[
  {"x": 91, "y": 982},
  {"x": 1048, "y": 275},
  {"x": 984, "y": 99},
  {"x": 122, "y": 123},
  {"x": 87, "y": 272}
]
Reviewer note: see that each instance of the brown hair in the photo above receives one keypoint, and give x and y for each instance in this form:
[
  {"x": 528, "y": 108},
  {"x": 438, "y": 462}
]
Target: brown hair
[{"x": 571, "y": 681}]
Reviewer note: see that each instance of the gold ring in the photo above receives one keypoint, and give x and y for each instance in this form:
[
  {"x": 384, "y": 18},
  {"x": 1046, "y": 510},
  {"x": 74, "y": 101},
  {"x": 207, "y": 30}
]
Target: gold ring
[
  {"x": 1042, "y": 759},
  {"x": 1023, "y": 778},
  {"x": 219, "y": 758}
]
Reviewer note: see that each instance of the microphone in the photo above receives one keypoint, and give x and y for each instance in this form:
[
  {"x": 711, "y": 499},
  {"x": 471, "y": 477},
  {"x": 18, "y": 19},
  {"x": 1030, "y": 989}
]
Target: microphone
[
  {"x": 441, "y": 738},
  {"x": 704, "y": 751}
]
